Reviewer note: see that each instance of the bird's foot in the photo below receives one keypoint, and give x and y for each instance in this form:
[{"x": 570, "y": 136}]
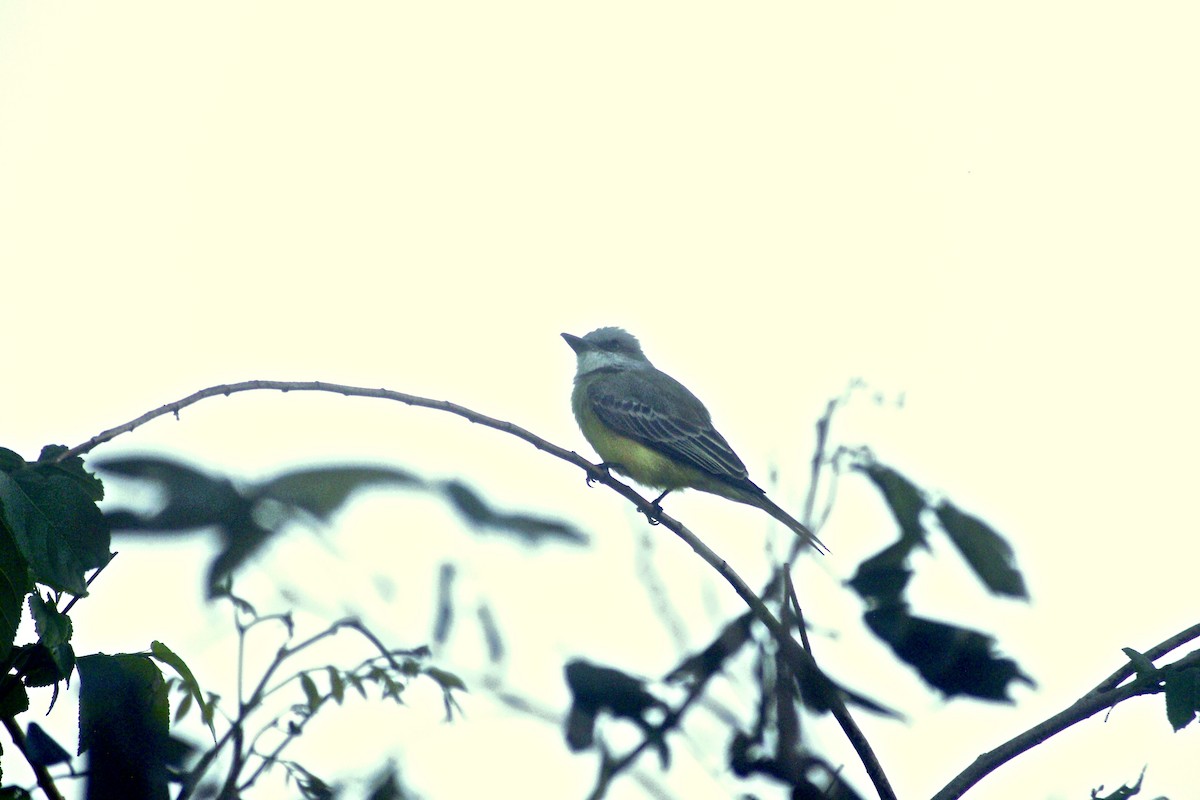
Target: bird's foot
[
  {"x": 655, "y": 510},
  {"x": 604, "y": 466}
]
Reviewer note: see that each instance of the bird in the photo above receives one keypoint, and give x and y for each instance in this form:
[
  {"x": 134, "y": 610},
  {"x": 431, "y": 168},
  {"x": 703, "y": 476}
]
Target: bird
[{"x": 649, "y": 427}]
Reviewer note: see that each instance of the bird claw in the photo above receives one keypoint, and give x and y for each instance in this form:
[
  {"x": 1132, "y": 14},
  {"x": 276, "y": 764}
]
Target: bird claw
[{"x": 604, "y": 467}]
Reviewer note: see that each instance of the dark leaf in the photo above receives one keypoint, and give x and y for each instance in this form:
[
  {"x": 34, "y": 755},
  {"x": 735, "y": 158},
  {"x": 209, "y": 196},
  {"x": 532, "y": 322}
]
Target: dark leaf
[
  {"x": 242, "y": 540},
  {"x": 444, "y": 679},
  {"x": 10, "y": 461},
  {"x": 13, "y": 697},
  {"x": 987, "y": 552},
  {"x": 44, "y": 666},
  {"x": 123, "y": 719},
  {"x": 55, "y": 524},
  {"x": 595, "y": 689},
  {"x": 1125, "y": 792},
  {"x": 609, "y": 689},
  {"x": 321, "y": 491},
  {"x": 526, "y": 527},
  {"x": 881, "y": 579},
  {"x": 73, "y": 468},
  {"x": 706, "y": 663},
  {"x": 311, "y": 695},
  {"x": 387, "y": 787},
  {"x": 312, "y": 787},
  {"x": 951, "y": 659},
  {"x": 42, "y": 750},
  {"x": 193, "y": 499},
  {"x": 337, "y": 686},
  {"x": 904, "y": 499},
  {"x": 15, "y": 583},
  {"x": 1182, "y": 690}
]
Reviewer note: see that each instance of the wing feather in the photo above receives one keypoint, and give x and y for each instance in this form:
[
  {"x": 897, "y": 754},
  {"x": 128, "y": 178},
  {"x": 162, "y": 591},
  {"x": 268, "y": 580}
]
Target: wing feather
[{"x": 653, "y": 408}]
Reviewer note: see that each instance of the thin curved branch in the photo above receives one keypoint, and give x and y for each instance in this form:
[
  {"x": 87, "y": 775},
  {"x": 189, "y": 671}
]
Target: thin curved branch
[
  {"x": 799, "y": 660},
  {"x": 1095, "y": 701}
]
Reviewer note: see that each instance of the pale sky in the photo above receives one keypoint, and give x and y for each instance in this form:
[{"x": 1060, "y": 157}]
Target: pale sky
[{"x": 988, "y": 208}]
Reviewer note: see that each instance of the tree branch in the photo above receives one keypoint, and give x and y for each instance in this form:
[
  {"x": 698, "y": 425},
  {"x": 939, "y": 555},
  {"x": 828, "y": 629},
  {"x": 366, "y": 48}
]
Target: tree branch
[
  {"x": 799, "y": 660},
  {"x": 1105, "y": 695},
  {"x": 44, "y": 779}
]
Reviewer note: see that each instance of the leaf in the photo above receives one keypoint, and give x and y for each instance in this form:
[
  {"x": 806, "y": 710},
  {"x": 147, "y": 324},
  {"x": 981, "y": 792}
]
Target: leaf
[
  {"x": 185, "y": 705},
  {"x": 10, "y": 461},
  {"x": 904, "y": 499},
  {"x": 15, "y": 583},
  {"x": 53, "y": 658},
  {"x": 987, "y": 552},
  {"x": 193, "y": 499},
  {"x": 41, "y": 749},
  {"x": 52, "y": 627},
  {"x": 321, "y": 491},
  {"x": 594, "y": 689},
  {"x": 531, "y": 529},
  {"x": 73, "y": 468},
  {"x": 57, "y": 527},
  {"x": 951, "y": 659},
  {"x": 1182, "y": 690},
  {"x": 710, "y": 660},
  {"x": 337, "y": 686},
  {"x": 123, "y": 719},
  {"x": 311, "y": 694},
  {"x": 444, "y": 679},
  {"x": 167, "y": 656},
  {"x": 42, "y": 666},
  {"x": 13, "y": 699},
  {"x": 881, "y": 579}
]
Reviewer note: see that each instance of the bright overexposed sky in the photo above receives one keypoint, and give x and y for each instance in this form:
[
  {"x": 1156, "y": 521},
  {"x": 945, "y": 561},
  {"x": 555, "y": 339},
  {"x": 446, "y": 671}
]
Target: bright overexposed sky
[{"x": 988, "y": 209}]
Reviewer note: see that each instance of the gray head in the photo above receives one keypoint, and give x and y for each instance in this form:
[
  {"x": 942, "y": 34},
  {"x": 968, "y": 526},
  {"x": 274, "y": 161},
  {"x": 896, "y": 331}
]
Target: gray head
[{"x": 607, "y": 348}]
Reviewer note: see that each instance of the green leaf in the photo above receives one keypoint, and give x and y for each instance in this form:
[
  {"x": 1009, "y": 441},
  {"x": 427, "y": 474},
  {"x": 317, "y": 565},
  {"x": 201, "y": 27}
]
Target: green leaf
[
  {"x": 987, "y": 552},
  {"x": 904, "y": 499},
  {"x": 310, "y": 691},
  {"x": 167, "y": 656},
  {"x": 337, "y": 686},
  {"x": 447, "y": 680},
  {"x": 321, "y": 491},
  {"x": 53, "y": 627},
  {"x": 73, "y": 468},
  {"x": 123, "y": 720},
  {"x": 10, "y": 461},
  {"x": 1182, "y": 690},
  {"x": 357, "y": 683},
  {"x": 56, "y": 525},
  {"x": 15, "y": 583},
  {"x": 43, "y": 666}
]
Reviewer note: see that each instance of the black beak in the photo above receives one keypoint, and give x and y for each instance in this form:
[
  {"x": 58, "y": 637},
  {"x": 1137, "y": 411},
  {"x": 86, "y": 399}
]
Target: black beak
[{"x": 577, "y": 344}]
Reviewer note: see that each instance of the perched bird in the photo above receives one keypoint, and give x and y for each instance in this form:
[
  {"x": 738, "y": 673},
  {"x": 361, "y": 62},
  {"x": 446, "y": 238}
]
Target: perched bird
[{"x": 647, "y": 426}]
